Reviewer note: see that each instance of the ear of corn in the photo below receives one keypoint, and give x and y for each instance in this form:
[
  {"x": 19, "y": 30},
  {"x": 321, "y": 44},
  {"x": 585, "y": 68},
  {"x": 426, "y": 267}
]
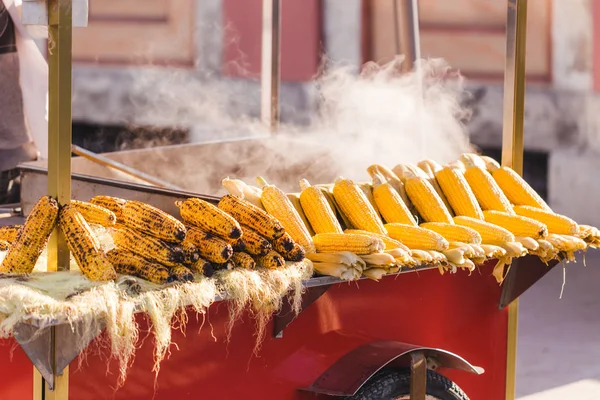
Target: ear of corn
[
  {"x": 390, "y": 204},
  {"x": 9, "y": 233},
  {"x": 201, "y": 266},
  {"x": 151, "y": 248},
  {"x": 367, "y": 189},
  {"x": 251, "y": 216},
  {"x": 490, "y": 233},
  {"x": 209, "y": 218},
  {"x": 243, "y": 260},
  {"x": 190, "y": 251},
  {"x": 254, "y": 243},
  {"x": 114, "y": 204},
  {"x": 516, "y": 224},
  {"x": 181, "y": 273},
  {"x": 95, "y": 214},
  {"x": 317, "y": 209},
  {"x": 152, "y": 221},
  {"x": 4, "y": 245},
  {"x": 210, "y": 247},
  {"x": 426, "y": 200},
  {"x": 271, "y": 260},
  {"x": 342, "y": 218},
  {"x": 415, "y": 237},
  {"x": 31, "y": 238},
  {"x": 84, "y": 246},
  {"x": 429, "y": 167},
  {"x": 288, "y": 249},
  {"x": 244, "y": 191},
  {"x": 490, "y": 164},
  {"x": 388, "y": 242},
  {"x": 453, "y": 232},
  {"x": 354, "y": 243},
  {"x": 295, "y": 200},
  {"x": 556, "y": 223},
  {"x": 278, "y": 205},
  {"x": 486, "y": 190},
  {"x": 392, "y": 179},
  {"x": 127, "y": 263},
  {"x": 459, "y": 194},
  {"x": 357, "y": 208},
  {"x": 517, "y": 189}
]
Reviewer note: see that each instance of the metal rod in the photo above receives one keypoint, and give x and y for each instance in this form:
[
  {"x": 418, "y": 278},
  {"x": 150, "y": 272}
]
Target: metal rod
[
  {"x": 271, "y": 63},
  {"x": 107, "y": 162},
  {"x": 406, "y": 30}
]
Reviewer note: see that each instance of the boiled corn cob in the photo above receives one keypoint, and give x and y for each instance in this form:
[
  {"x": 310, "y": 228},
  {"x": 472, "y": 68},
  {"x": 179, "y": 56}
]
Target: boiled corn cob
[
  {"x": 392, "y": 179},
  {"x": 152, "y": 221},
  {"x": 426, "y": 200},
  {"x": 114, "y": 204},
  {"x": 210, "y": 247},
  {"x": 342, "y": 218},
  {"x": 95, "y": 214},
  {"x": 181, "y": 273},
  {"x": 244, "y": 191},
  {"x": 243, "y": 260},
  {"x": 387, "y": 241},
  {"x": 453, "y": 232},
  {"x": 209, "y": 218},
  {"x": 367, "y": 189},
  {"x": 415, "y": 237},
  {"x": 251, "y": 216},
  {"x": 278, "y": 205},
  {"x": 516, "y": 224},
  {"x": 151, "y": 248},
  {"x": 459, "y": 194},
  {"x": 84, "y": 246},
  {"x": 430, "y": 167},
  {"x": 295, "y": 200},
  {"x": 318, "y": 210},
  {"x": 127, "y": 263},
  {"x": 357, "y": 208},
  {"x": 517, "y": 189},
  {"x": 255, "y": 244},
  {"x": 486, "y": 190},
  {"x": 32, "y": 237},
  {"x": 190, "y": 252},
  {"x": 355, "y": 243},
  {"x": 4, "y": 245},
  {"x": 556, "y": 223},
  {"x": 390, "y": 204},
  {"x": 9, "y": 233},
  {"x": 490, "y": 233},
  {"x": 271, "y": 260},
  {"x": 490, "y": 164}
]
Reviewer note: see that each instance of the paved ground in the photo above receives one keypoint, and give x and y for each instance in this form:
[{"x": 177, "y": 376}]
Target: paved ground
[{"x": 559, "y": 339}]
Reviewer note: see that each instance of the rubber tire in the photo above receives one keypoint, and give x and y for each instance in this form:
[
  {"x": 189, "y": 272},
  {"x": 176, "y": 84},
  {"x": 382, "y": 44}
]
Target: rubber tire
[{"x": 391, "y": 384}]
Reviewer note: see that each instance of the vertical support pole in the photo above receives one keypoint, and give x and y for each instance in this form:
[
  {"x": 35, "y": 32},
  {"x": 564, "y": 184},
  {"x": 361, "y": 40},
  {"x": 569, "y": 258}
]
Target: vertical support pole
[
  {"x": 418, "y": 376},
  {"x": 406, "y": 32},
  {"x": 270, "y": 63},
  {"x": 512, "y": 144}
]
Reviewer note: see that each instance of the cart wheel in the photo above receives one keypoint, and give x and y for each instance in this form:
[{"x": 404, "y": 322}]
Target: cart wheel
[{"x": 395, "y": 385}]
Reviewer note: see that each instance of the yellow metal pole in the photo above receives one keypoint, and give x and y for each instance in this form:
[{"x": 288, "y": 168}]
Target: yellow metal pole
[{"x": 512, "y": 144}]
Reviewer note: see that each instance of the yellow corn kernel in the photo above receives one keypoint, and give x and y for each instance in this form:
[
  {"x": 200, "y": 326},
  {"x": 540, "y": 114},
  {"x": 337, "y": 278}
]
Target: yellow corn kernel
[
  {"x": 290, "y": 250},
  {"x": 490, "y": 233},
  {"x": 556, "y": 223},
  {"x": 388, "y": 242},
  {"x": 152, "y": 221},
  {"x": 354, "y": 243},
  {"x": 254, "y": 243},
  {"x": 415, "y": 237},
  {"x": 114, "y": 204},
  {"x": 210, "y": 247},
  {"x": 517, "y": 189},
  {"x": 426, "y": 200},
  {"x": 392, "y": 179},
  {"x": 516, "y": 224},
  {"x": 271, "y": 260},
  {"x": 317, "y": 209},
  {"x": 181, "y": 273},
  {"x": 390, "y": 204},
  {"x": 251, "y": 216},
  {"x": 367, "y": 189},
  {"x": 209, "y": 218},
  {"x": 459, "y": 194},
  {"x": 9, "y": 233},
  {"x": 190, "y": 252},
  {"x": 355, "y": 205},
  {"x": 454, "y": 233},
  {"x": 201, "y": 266},
  {"x": 151, "y": 248},
  {"x": 486, "y": 190},
  {"x": 127, "y": 263},
  {"x": 95, "y": 214},
  {"x": 243, "y": 260}
]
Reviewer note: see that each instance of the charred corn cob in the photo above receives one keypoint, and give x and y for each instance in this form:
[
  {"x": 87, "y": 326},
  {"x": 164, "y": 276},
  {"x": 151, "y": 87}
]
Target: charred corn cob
[
  {"x": 4, "y": 245},
  {"x": 486, "y": 190},
  {"x": 209, "y": 218},
  {"x": 390, "y": 204},
  {"x": 317, "y": 209},
  {"x": 210, "y": 247},
  {"x": 278, "y": 205},
  {"x": 251, "y": 216},
  {"x": 32, "y": 237},
  {"x": 255, "y": 244},
  {"x": 127, "y": 263},
  {"x": 95, "y": 214},
  {"x": 453, "y": 232},
  {"x": 556, "y": 223},
  {"x": 355, "y": 243},
  {"x": 152, "y": 221},
  {"x": 517, "y": 189},
  {"x": 181, "y": 273},
  {"x": 459, "y": 194},
  {"x": 296, "y": 254},
  {"x": 242, "y": 190},
  {"x": 243, "y": 260},
  {"x": 114, "y": 204},
  {"x": 289, "y": 250},
  {"x": 357, "y": 208},
  {"x": 392, "y": 179},
  {"x": 283, "y": 243},
  {"x": 271, "y": 260},
  {"x": 151, "y": 248},
  {"x": 490, "y": 233},
  {"x": 190, "y": 252},
  {"x": 416, "y": 237},
  {"x": 295, "y": 200},
  {"x": 387, "y": 241},
  {"x": 84, "y": 246},
  {"x": 201, "y": 266},
  {"x": 238, "y": 245},
  {"x": 516, "y": 224},
  {"x": 9, "y": 233},
  {"x": 426, "y": 200}
]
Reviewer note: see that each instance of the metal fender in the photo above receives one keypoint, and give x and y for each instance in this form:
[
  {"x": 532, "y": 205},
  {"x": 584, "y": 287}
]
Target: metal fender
[{"x": 350, "y": 372}]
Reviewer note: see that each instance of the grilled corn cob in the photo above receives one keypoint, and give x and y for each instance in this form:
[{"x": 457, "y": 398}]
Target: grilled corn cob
[
  {"x": 415, "y": 237},
  {"x": 238, "y": 245},
  {"x": 295, "y": 200},
  {"x": 490, "y": 233},
  {"x": 387, "y": 241},
  {"x": 242, "y": 190},
  {"x": 355, "y": 243},
  {"x": 486, "y": 190},
  {"x": 516, "y": 224},
  {"x": 454, "y": 233},
  {"x": 209, "y": 218},
  {"x": 296, "y": 254},
  {"x": 278, "y": 205},
  {"x": 357, "y": 208},
  {"x": 556, "y": 223},
  {"x": 32, "y": 238},
  {"x": 151, "y": 248},
  {"x": 251, "y": 216},
  {"x": 254, "y": 243},
  {"x": 84, "y": 246},
  {"x": 127, "y": 263},
  {"x": 181, "y": 273},
  {"x": 9, "y": 233},
  {"x": 190, "y": 252},
  {"x": 201, "y": 266},
  {"x": 390, "y": 204},
  {"x": 4, "y": 245},
  {"x": 459, "y": 194},
  {"x": 210, "y": 247},
  {"x": 114, "y": 204},
  {"x": 152, "y": 221},
  {"x": 271, "y": 260},
  {"x": 517, "y": 189},
  {"x": 95, "y": 214},
  {"x": 243, "y": 260},
  {"x": 317, "y": 209},
  {"x": 289, "y": 250},
  {"x": 426, "y": 200}
]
